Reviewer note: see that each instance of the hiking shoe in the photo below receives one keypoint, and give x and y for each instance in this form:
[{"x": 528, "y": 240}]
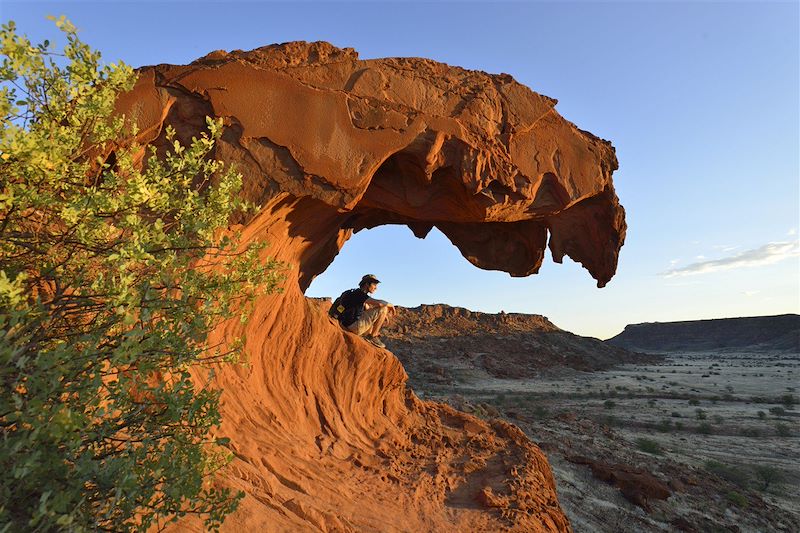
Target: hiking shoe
[{"x": 376, "y": 341}]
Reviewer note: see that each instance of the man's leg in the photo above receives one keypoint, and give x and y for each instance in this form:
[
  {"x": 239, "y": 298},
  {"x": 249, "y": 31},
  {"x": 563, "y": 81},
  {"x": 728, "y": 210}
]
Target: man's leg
[
  {"x": 376, "y": 327},
  {"x": 365, "y": 325}
]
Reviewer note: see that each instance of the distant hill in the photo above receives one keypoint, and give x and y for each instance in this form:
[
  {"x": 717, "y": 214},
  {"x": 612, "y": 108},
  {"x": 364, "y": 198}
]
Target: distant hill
[
  {"x": 779, "y": 333},
  {"x": 506, "y": 345}
]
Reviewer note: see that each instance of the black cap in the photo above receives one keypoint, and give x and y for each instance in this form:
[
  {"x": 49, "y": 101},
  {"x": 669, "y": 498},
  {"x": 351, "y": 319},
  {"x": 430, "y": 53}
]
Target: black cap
[{"x": 369, "y": 278}]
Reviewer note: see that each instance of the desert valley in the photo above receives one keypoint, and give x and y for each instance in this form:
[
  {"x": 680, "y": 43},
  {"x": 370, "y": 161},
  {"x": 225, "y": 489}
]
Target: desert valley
[{"x": 700, "y": 433}]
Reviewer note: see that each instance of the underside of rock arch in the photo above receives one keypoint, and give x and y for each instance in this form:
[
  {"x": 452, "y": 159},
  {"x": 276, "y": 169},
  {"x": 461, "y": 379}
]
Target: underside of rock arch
[{"x": 326, "y": 435}]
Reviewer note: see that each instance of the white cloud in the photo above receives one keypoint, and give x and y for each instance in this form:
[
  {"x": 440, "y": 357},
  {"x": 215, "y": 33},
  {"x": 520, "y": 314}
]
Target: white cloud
[
  {"x": 769, "y": 253},
  {"x": 791, "y": 232},
  {"x": 683, "y": 283},
  {"x": 750, "y": 293},
  {"x": 725, "y": 247}
]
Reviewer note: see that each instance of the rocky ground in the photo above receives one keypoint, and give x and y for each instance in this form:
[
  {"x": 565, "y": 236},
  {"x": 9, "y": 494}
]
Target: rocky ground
[{"x": 666, "y": 442}]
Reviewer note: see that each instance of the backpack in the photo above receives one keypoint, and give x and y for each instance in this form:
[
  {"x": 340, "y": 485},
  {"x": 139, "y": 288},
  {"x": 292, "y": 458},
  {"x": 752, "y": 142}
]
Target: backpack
[{"x": 337, "y": 308}]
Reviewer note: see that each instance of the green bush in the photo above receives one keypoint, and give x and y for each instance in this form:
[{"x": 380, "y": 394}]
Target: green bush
[
  {"x": 736, "y": 475},
  {"x": 648, "y": 446},
  {"x": 783, "y": 430},
  {"x": 540, "y": 412},
  {"x": 608, "y": 404},
  {"x": 611, "y": 420},
  {"x": 112, "y": 273},
  {"x": 704, "y": 428},
  {"x": 700, "y": 414},
  {"x": 777, "y": 411},
  {"x": 788, "y": 400},
  {"x": 768, "y": 476},
  {"x": 736, "y": 498},
  {"x": 664, "y": 425}
]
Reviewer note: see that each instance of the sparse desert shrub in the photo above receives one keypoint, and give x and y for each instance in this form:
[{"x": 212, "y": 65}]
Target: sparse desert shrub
[
  {"x": 693, "y": 401},
  {"x": 718, "y": 419},
  {"x": 651, "y": 402},
  {"x": 610, "y": 420},
  {"x": 608, "y": 404},
  {"x": 777, "y": 411},
  {"x": 648, "y": 446},
  {"x": 679, "y": 425},
  {"x": 736, "y": 475},
  {"x": 751, "y": 432},
  {"x": 704, "y": 428},
  {"x": 788, "y": 400},
  {"x": 664, "y": 425},
  {"x": 762, "y": 415},
  {"x": 675, "y": 414},
  {"x": 736, "y": 498},
  {"x": 540, "y": 411},
  {"x": 783, "y": 430},
  {"x": 767, "y": 476},
  {"x": 700, "y": 414}
]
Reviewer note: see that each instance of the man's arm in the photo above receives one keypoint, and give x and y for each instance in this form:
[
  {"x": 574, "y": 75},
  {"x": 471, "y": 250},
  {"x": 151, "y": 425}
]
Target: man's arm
[{"x": 372, "y": 302}]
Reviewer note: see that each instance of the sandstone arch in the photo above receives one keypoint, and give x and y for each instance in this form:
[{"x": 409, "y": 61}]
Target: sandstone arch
[{"x": 326, "y": 435}]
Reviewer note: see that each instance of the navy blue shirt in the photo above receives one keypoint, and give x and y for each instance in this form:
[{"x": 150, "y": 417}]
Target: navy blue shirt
[{"x": 353, "y": 302}]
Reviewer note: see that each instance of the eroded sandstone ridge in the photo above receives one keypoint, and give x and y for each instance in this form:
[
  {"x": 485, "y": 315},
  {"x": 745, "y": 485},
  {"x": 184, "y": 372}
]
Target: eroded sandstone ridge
[{"x": 326, "y": 435}]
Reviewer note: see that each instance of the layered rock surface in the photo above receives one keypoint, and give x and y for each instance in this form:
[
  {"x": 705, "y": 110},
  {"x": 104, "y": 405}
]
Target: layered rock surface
[{"x": 325, "y": 434}]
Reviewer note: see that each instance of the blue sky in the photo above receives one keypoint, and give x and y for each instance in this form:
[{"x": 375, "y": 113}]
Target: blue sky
[{"x": 700, "y": 100}]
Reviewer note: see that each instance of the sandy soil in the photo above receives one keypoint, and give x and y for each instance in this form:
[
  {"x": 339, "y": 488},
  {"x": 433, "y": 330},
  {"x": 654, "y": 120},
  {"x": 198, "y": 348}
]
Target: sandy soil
[{"x": 722, "y": 431}]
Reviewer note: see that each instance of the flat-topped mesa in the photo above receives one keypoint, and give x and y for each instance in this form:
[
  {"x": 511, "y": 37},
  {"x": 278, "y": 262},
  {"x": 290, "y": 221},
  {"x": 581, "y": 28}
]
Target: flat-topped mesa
[{"x": 325, "y": 434}]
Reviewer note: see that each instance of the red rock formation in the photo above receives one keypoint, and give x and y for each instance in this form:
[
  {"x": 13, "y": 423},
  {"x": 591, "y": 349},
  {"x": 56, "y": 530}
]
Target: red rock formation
[
  {"x": 326, "y": 436},
  {"x": 637, "y": 485}
]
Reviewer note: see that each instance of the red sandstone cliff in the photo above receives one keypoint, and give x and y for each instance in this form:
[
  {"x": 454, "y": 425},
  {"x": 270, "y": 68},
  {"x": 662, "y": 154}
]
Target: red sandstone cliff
[{"x": 325, "y": 433}]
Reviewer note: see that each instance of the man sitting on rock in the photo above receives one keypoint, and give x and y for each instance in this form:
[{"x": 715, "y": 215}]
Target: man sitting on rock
[{"x": 359, "y": 313}]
